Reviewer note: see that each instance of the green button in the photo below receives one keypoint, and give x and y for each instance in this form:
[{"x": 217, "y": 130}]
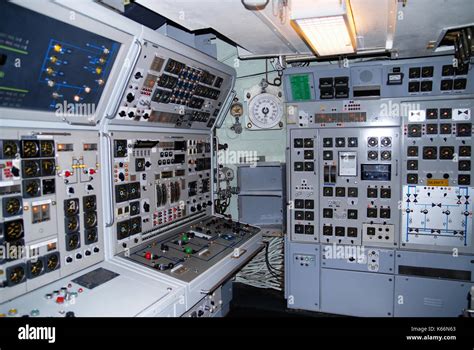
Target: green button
[{"x": 188, "y": 250}]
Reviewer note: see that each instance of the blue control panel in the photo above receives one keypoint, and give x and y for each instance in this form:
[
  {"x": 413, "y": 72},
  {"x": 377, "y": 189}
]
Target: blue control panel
[{"x": 49, "y": 65}]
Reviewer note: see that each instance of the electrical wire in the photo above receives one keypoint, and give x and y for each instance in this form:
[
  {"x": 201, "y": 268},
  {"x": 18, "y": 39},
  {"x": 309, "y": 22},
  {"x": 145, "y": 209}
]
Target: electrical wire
[
  {"x": 277, "y": 80},
  {"x": 266, "y": 269},
  {"x": 255, "y": 74}
]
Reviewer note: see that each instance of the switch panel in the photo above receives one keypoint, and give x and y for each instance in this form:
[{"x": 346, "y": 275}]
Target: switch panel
[
  {"x": 360, "y": 186},
  {"x": 303, "y": 194}
]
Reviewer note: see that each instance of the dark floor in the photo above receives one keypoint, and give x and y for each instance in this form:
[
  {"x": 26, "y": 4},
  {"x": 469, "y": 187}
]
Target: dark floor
[{"x": 256, "y": 302}]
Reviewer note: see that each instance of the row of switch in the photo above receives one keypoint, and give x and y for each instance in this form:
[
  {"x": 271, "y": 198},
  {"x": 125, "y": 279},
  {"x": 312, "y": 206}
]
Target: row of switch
[
  {"x": 352, "y": 214},
  {"x": 304, "y": 229},
  {"x": 463, "y": 179},
  {"x": 413, "y": 151},
  {"x": 340, "y": 231},
  {"x": 461, "y": 129}
]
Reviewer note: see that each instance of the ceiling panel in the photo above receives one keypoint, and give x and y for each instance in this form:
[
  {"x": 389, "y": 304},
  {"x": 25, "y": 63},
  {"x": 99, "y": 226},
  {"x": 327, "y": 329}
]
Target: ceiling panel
[{"x": 379, "y": 23}]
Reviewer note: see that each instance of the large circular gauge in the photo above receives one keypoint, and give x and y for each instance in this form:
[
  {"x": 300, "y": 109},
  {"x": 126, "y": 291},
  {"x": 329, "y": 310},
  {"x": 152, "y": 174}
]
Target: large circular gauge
[{"x": 265, "y": 111}]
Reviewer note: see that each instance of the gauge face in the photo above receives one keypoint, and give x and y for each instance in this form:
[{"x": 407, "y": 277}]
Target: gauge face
[
  {"x": 30, "y": 149},
  {"x": 72, "y": 242},
  {"x": 32, "y": 188},
  {"x": 90, "y": 219},
  {"x": 71, "y": 206},
  {"x": 13, "y": 230},
  {"x": 89, "y": 203},
  {"x": 47, "y": 148},
  {"x": 91, "y": 236},
  {"x": 12, "y": 205},
  {"x": 10, "y": 148},
  {"x": 265, "y": 111},
  {"x": 72, "y": 224},
  {"x": 36, "y": 268},
  {"x": 17, "y": 274},
  {"x": 52, "y": 262},
  {"x": 31, "y": 168},
  {"x": 237, "y": 110},
  {"x": 48, "y": 167}
]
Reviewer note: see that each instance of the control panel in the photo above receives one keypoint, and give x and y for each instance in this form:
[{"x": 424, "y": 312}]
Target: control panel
[
  {"x": 382, "y": 79},
  {"x": 51, "y": 223},
  {"x": 304, "y": 192},
  {"x": 345, "y": 185},
  {"x": 380, "y": 178},
  {"x": 159, "y": 180},
  {"x": 56, "y": 66},
  {"x": 193, "y": 249},
  {"x": 360, "y": 177},
  {"x": 172, "y": 90},
  {"x": 437, "y": 172}
]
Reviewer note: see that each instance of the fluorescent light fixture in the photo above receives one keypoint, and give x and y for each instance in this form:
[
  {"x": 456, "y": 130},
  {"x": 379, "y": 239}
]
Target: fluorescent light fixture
[{"x": 326, "y": 25}]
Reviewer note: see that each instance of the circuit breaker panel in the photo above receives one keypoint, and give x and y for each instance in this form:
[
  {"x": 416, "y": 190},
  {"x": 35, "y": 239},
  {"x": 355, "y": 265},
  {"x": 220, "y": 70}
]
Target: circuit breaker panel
[
  {"x": 171, "y": 90},
  {"x": 379, "y": 173},
  {"x": 51, "y": 203}
]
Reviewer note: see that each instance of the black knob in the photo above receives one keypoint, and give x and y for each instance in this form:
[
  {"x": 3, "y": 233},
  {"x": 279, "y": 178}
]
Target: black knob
[
  {"x": 146, "y": 116},
  {"x": 164, "y": 247},
  {"x": 88, "y": 252},
  {"x": 69, "y": 259},
  {"x": 121, "y": 177},
  {"x": 131, "y": 115},
  {"x": 146, "y": 207},
  {"x": 193, "y": 209},
  {"x": 122, "y": 114},
  {"x": 78, "y": 256},
  {"x": 96, "y": 249},
  {"x": 148, "y": 164},
  {"x": 70, "y": 314},
  {"x": 138, "y": 75},
  {"x": 130, "y": 97},
  {"x": 15, "y": 171}
]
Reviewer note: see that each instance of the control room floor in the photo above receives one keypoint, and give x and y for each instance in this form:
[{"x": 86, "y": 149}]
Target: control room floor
[{"x": 249, "y": 301}]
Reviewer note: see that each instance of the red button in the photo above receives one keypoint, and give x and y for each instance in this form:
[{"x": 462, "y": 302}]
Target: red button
[
  {"x": 60, "y": 300},
  {"x": 91, "y": 171},
  {"x": 148, "y": 255},
  {"x": 67, "y": 173}
]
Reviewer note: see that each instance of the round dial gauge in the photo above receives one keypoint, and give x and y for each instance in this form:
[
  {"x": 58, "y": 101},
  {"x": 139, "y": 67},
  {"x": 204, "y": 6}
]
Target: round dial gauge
[
  {"x": 236, "y": 110},
  {"x": 265, "y": 110}
]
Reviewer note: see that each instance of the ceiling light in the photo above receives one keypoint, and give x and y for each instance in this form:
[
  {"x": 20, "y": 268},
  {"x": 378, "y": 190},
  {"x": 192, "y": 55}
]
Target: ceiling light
[{"x": 326, "y": 25}]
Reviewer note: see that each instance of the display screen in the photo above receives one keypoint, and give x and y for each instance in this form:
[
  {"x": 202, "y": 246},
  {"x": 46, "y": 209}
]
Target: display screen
[
  {"x": 49, "y": 65},
  {"x": 300, "y": 87},
  {"x": 376, "y": 172}
]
